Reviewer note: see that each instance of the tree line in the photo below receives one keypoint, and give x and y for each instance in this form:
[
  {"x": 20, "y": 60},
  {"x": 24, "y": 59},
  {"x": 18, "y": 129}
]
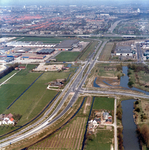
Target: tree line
[{"x": 8, "y": 70}]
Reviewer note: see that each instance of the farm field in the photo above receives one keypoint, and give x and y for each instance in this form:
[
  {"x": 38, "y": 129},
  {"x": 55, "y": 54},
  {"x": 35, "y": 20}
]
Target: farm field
[
  {"x": 67, "y": 56},
  {"x": 106, "y": 53},
  {"x": 90, "y": 50},
  {"x": 33, "y": 100},
  {"x": 69, "y": 136},
  {"x": 103, "y": 103},
  {"x": 15, "y": 86},
  {"x": 42, "y": 39},
  {"x": 36, "y": 97},
  {"x": 7, "y": 76}
]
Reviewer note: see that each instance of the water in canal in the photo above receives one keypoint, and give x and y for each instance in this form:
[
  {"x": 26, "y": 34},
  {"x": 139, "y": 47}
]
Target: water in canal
[
  {"x": 95, "y": 84},
  {"x": 130, "y": 140}
]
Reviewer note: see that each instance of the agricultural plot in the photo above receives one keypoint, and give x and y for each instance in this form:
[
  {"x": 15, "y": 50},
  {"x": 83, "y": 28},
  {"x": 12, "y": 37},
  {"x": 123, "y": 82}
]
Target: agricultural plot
[
  {"x": 67, "y": 56},
  {"x": 106, "y": 53},
  {"x": 15, "y": 86},
  {"x": 42, "y": 39},
  {"x": 69, "y": 138}
]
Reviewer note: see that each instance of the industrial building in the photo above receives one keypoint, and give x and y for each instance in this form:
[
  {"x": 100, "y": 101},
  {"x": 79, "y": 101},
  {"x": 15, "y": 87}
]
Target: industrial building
[
  {"x": 67, "y": 45},
  {"x": 21, "y": 50},
  {"x": 32, "y": 56},
  {"x": 6, "y": 59},
  {"x": 29, "y": 44},
  {"x": 46, "y": 51},
  {"x": 123, "y": 51},
  {"x": 15, "y": 55},
  {"x": 6, "y": 49}
]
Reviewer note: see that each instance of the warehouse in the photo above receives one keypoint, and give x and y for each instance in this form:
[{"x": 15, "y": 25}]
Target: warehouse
[
  {"x": 6, "y": 49},
  {"x": 6, "y": 59},
  {"x": 32, "y": 56},
  {"x": 10, "y": 55},
  {"x": 21, "y": 50},
  {"x": 124, "y": 51},
  {"x": 46, "y": 51},
  {"x": 67, "y": 45}
]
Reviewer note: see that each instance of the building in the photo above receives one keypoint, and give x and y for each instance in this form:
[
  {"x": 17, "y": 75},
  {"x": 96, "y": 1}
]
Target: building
[
  {"x": 124, "y": 51},
  {"x": 46, "y": 51},
  {"x": 6, "y": 119},
  {"x": 67, "y": 45}
]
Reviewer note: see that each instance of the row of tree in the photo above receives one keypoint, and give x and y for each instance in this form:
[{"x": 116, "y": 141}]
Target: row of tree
[
  {"x": 138, "y": 68},
  {"x": 143, "y": 135},
  {"x": 8, "y": 70}
]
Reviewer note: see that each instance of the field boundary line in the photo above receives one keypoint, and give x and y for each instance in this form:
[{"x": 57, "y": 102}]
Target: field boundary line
[
  {"x": 25, "y": 90},
  {"x": 8, "y": 78}
]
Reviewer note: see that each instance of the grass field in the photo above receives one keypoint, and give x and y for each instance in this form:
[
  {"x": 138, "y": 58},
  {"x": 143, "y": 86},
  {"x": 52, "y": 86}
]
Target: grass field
[
  {"x": 90, "y": 50},
  {"x": 33, "y": 100},
  {"x": 7, "y": 76},
  {"x": 67, "y": 56},
  {"x": 105, "y": 55},
  {"x": 101, "y": 141},
  {"x": 15, "y": 86},
  {"x": 103, "y": 103},
  {"x": 42, "y": 39}
]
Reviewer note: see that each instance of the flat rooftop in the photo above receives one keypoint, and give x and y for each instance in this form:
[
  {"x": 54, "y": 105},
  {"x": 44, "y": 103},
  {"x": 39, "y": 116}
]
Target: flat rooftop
[{"x": 67, "y": 44}]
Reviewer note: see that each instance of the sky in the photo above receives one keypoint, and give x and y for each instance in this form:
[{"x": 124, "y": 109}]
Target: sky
[{"x": 69, "y": 2}]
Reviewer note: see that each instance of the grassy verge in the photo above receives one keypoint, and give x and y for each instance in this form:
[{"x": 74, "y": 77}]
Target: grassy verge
[
  {"x": 90, "y": 50},
  {"x": 106, "y": 53},
  {"x": 67, "y": 56}
]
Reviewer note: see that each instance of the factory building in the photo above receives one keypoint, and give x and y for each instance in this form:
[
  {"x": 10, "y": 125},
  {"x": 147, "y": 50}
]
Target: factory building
[
  {"x": 32, "y": 56},
  {"x": 46, "y": 51},
  {"x": 124, "y": 51},
  {"x": 21, "y": 50},
  {"x": 67, "y": 45},
  {"x": 6, "y": 59},
  {"x": 29, "y": 44}
]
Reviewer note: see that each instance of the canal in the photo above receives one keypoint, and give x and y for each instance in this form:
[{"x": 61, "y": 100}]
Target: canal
[{"x": 130, "y": 140}]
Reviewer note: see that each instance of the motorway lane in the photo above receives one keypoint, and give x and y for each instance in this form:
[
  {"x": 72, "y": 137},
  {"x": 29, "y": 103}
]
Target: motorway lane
[{"x": 115, "y": 93}]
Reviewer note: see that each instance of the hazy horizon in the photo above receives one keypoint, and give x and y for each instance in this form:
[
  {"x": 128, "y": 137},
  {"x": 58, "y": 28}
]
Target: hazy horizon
[{"x": 70, "y": 2}]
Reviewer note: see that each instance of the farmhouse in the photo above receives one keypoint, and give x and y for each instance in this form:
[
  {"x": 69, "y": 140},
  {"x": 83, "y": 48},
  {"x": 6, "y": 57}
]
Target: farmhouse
[{"x": 6, "y": 119}]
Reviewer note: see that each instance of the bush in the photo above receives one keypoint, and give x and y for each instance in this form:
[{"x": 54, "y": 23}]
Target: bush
[
  {"x": 130, "y": 83},
  {"x": 137, "y": 109},
  {"x": 136, "y": 102}
]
